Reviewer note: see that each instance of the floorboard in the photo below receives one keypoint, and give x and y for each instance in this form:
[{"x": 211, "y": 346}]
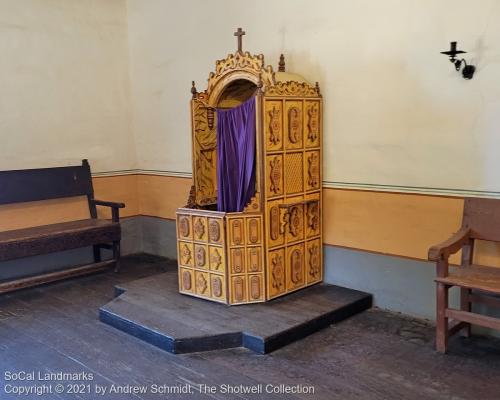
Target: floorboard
[{"x": 373, "y": 355}]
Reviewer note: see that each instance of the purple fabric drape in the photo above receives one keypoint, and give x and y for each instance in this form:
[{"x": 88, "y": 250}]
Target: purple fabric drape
[{"x": 236, "y": 156}]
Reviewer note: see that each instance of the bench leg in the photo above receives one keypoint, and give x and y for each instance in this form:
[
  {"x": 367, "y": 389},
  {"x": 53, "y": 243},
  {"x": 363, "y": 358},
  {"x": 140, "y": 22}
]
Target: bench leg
[
  {"x": 465, "y": 305},
  {"x": 116, "y": 255},
  {"x": 97, "y": 253},
  {"x": 441, "y": 320}
]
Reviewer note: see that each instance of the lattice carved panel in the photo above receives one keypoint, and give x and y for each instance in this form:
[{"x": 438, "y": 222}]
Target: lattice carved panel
[{"x": 294, "y": 173}]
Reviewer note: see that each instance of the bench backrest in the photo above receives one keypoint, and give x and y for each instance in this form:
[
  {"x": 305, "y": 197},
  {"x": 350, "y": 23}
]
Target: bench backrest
[
  {"x": 482, "y": 216},
  {"x": 21, "y": 186}
]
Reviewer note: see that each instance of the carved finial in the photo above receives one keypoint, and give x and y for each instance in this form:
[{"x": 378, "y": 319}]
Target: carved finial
[
  {"x": 193, "y": 90},
  {"x": 239, "y": 33},
  {"x": 259, "y": 84},
  {"x": 317, "y": 88},
  {"x": 281, "y": 64}
]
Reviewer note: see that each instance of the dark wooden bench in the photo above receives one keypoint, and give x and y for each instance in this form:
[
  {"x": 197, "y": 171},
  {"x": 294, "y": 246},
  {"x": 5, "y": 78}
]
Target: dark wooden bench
[
  {"x": 29, "y": 185},
  {"x": 478, "y": 284}
]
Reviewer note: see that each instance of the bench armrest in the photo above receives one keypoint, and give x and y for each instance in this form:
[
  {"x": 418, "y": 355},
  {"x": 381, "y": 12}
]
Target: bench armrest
[
  {"x": 442, "y": 251},
  {"x": 115, "y": 207}
]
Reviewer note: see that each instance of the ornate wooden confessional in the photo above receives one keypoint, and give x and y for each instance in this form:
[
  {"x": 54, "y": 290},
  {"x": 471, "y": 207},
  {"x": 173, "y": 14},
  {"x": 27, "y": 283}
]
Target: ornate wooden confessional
[{"x": 274, "y": 246}]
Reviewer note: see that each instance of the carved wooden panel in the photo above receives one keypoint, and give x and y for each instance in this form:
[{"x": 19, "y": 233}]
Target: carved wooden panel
[
  {"x": 184, "y": 229},
  {"x": 275, "y": 223},
  {"x": 314, "y": 264},
  {"x": 293, "y": 88},
  {"x": 216, "y": 259},
  {"x": 204, "y": 153},
  {"x": 215, "y": 230},
  {"x": 238, "y": 289},
  {"x": 276, "y": 279},
  {"x": 312, "y": 124},
  {"x": 294, "y": 124},
  {"x": 313, "y": 218},
  {"x": 200, "y": 256},
  {"x": 312, "y": 170},
  {"x": 237, "y": 231},
  {"x": 255, "y": 288},
  {"x": 273, "y": 124},
  {"x": 185, "y": 254},
  {"x": 295, "y": 266},
  {"x": 254, "y": 259},
  {"x": 253, "y": 231},
  {"x": 294, "y": 173},
  {"x": 200, "y": 229},
  {"x": 295, "y": 223},
  {"x": 186, "y": 280},
  {"x": 238, "y": 260},
  {"x": 217, "y": 287},
  {"x": 202, "y": 283},
  {"x": 274, "y": 178}
]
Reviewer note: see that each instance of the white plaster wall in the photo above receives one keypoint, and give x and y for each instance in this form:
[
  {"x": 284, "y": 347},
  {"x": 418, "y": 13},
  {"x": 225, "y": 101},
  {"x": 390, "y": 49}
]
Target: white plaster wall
[
  {"x": 396, "y": 112},
  {"x": 64, "y": 84}
]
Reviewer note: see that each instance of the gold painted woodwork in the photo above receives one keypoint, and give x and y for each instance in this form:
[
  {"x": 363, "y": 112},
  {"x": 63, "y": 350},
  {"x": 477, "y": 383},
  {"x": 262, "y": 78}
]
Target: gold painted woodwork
[
  {"x": 246, "y": 258},
  {"x": 204, "y": 153},
  {"x": 271, "y": 247},
  {"x": 276, "y": 273},
  {"x": 274, "y": 181},
  {"x": 273, "y": 123},
  {"x": 294, "y": 125},
  {"x": 295, "y": 267},
  {"x": 293, "y": 215},
  {"x": 292, "y": 88}
]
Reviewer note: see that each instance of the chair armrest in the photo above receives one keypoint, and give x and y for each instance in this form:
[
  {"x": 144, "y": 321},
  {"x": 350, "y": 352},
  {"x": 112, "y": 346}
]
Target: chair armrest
[
  {"x": 115, "y": 208},
  {"x": 111, "y": 204},
  {"x": 451, "y": 246}
]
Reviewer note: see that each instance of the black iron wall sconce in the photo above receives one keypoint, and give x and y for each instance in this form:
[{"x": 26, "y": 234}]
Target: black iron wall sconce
[{"x": 468, "y": 70}]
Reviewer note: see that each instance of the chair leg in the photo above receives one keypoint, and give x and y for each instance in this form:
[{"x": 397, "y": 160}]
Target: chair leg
[
  {"x": 97, "y": 253},
  {"x": 441, "y": 320},
  {"x": 116, "y": 255},
  {"x": 465, "y": 305}
]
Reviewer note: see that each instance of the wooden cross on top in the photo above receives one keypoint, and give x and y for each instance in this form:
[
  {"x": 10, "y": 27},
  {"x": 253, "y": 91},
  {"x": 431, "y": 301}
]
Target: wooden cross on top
[{"x": 239, "y": 33}]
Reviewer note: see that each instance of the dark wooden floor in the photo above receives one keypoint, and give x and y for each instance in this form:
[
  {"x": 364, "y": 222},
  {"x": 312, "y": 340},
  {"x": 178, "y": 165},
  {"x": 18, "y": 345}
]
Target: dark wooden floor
[{"x": 374, "y": 355}]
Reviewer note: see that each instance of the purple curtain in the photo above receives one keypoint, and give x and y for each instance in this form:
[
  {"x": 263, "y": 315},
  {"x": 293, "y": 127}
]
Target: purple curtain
[{"x": 236, "y": 156}]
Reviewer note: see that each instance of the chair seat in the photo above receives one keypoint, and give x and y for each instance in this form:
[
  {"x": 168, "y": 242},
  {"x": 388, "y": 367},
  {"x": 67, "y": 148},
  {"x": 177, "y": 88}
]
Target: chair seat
[
  {"x": 56, "y": 237},
  {"x": 474, "y": 277}
]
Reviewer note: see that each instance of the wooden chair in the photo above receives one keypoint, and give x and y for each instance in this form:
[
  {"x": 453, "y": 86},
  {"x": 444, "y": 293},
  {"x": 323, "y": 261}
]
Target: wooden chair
[{"x": 478, "y": 284}]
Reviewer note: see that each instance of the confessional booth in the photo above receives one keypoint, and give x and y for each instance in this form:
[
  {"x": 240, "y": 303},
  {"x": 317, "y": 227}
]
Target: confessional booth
[{"x": 251, "y": 230}]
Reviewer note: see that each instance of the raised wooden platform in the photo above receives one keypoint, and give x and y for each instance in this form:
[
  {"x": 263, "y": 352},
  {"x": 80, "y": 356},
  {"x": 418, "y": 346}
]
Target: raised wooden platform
[{"x": 153, "y": 310}]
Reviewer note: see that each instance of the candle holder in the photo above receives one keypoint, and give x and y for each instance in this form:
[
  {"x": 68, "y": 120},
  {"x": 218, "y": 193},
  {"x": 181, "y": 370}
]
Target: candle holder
[{"x": 468, "y": 70}]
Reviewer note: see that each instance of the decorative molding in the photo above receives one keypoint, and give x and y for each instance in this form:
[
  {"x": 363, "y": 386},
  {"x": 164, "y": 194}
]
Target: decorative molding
[
  {"x": 292, "y": 88},
  {"x": 241, "y": 62},
  {"x": 374, "y": 187}
]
